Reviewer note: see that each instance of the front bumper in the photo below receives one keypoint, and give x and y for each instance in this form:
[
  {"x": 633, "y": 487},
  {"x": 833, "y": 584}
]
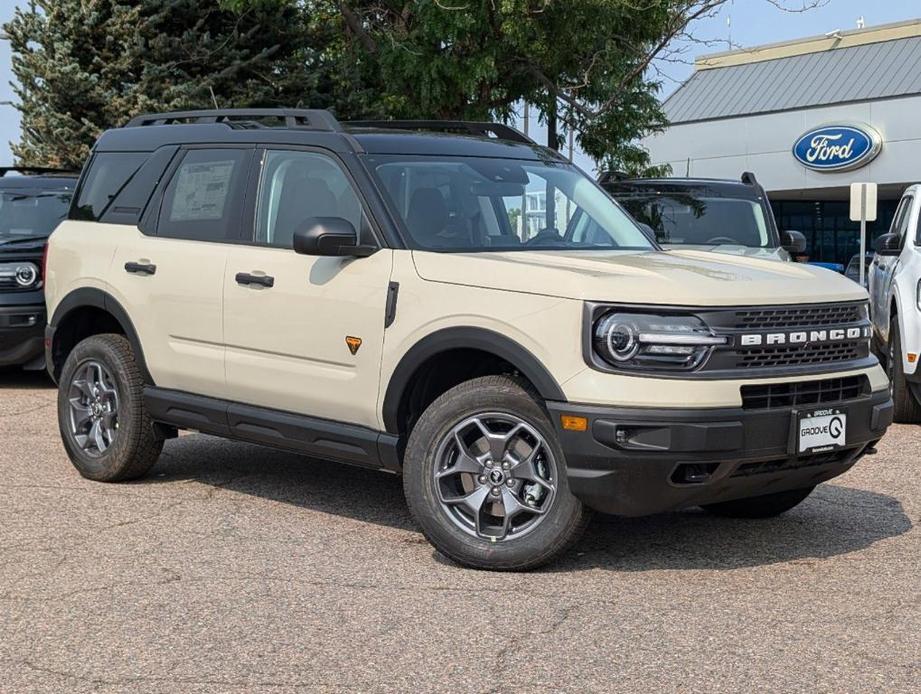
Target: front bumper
[
  {"x": 22, "y": 330},
  {"x": 635, "y": 462}
]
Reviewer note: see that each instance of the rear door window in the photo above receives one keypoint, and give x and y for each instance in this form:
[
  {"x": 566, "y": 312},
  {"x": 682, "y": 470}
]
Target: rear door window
[{"x": 204, "y": 198}]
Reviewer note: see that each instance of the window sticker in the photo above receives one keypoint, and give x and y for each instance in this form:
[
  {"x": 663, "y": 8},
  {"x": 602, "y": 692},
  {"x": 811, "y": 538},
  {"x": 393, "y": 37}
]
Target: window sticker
[{"x": 201, "y": 191}]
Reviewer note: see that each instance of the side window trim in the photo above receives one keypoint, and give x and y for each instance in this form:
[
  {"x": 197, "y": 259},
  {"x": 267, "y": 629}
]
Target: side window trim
[{"x": 253, "y": 190}]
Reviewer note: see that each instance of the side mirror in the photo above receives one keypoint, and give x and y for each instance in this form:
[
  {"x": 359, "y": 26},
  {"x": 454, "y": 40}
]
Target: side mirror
[
  {"x": 888, "y": 244},
  {"x": 329, "y": 236},
  {"x": 793, "y": 242}
]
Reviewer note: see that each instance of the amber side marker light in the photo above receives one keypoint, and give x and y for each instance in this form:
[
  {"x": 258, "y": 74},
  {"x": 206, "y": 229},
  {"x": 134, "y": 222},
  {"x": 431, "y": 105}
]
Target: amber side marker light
[
  {"x": 571, "y": 423},
  {"x": 912, "y": 357}
]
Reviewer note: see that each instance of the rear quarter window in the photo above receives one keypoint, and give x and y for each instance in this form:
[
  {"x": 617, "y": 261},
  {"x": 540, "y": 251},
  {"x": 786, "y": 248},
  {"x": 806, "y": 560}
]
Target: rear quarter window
[{"x": 107, "y": 174}]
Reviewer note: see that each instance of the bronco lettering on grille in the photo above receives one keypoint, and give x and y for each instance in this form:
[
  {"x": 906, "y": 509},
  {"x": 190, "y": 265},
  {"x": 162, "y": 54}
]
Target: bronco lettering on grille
[{"x": 803, "y": 337}]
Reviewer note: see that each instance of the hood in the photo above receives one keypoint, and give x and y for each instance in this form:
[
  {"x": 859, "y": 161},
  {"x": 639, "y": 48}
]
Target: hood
[
  {"x": 676, "y": 278},
  {"x": 17, "y": 249},
  {"x": 732, "y": 249}
]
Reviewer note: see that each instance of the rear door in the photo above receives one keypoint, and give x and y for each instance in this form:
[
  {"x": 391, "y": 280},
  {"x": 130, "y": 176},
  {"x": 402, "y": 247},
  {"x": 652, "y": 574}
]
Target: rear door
[{"x": 170, "y": 279}]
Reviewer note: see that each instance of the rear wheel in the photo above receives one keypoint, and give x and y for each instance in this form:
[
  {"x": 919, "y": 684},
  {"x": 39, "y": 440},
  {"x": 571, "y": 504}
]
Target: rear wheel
[
  {"x": 906, "y": 410},
  {"x": 105, "y": 428},
  {"x": 766, "y": 506},
  {"x": 485, "y": 478}
]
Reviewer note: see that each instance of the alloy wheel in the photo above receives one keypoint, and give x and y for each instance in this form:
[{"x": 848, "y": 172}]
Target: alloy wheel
[
  {"x": 93, "y": 400},
  {"x": 496, "y": 477}
]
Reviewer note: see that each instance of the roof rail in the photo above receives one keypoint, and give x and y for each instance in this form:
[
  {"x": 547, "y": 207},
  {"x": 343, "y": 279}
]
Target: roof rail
[
  {"x": 612, "y": 177},
  {"x": 309, "y": 119},
  {"x": 36, "y": 170},
  {"x": 500, "y": 131},
  {"x": 748, "y": 178}
]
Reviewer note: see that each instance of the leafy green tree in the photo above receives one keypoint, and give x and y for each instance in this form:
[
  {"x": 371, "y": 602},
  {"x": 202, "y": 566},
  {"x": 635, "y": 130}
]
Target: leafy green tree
[{"x": 84, "y": 66}]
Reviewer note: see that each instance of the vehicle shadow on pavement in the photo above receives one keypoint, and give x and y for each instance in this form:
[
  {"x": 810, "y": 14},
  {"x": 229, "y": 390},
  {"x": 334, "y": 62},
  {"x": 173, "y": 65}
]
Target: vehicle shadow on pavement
[
  {"x": 835, "y": 520},
  {"x": 17, "y": 379}
]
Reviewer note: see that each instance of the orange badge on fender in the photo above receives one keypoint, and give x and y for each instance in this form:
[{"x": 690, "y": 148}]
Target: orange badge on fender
[{"x": 354, "y": 343}]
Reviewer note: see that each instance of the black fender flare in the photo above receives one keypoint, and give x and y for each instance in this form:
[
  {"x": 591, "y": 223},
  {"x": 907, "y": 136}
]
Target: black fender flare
[
  {"x": 97, "y": 298},
  {"x": 464, "y": 338}
]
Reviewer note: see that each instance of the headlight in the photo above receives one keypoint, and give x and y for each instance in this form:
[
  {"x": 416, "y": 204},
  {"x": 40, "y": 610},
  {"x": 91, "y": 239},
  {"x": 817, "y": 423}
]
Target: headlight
[
  {"x": 641, "y": 341},
  {"x": 24, "y": 275}
]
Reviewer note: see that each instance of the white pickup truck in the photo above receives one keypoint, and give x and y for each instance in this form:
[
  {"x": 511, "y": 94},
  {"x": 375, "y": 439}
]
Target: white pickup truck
[{"x": 895, "y": 304}]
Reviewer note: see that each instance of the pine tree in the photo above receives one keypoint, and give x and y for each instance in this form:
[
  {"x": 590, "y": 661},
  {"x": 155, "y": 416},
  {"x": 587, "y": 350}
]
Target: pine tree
[{"x": 86, "y": 65}]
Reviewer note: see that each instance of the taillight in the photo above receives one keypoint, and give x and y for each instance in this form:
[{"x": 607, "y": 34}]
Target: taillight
[{"x": 44, "y": 267}]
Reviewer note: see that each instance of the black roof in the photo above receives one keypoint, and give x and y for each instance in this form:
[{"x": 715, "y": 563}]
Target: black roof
[
  {"x": 319, "y": 128},
  {"x": 37, "y": 178}
]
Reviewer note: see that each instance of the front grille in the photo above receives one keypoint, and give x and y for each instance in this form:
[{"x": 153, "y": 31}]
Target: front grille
[
  {"x": 800, "y": 317},
  {"x": 786, "y": 395},
  {"x": 801, "y": 355},
  {"x": 786, "y": 464},
  {"x": 808, "y": 338}
]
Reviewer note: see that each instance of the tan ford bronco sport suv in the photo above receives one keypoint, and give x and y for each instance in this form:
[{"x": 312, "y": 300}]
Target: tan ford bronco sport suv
[{"x": 447, "y": 301}]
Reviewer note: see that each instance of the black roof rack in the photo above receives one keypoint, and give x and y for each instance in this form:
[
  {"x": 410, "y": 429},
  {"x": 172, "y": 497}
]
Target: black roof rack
[
  {"x": 612, "y": 177},
  {"x": 35, "y": 170},
  {"x": 500, "y": 131},
  {"x": 308, "y": 119}
]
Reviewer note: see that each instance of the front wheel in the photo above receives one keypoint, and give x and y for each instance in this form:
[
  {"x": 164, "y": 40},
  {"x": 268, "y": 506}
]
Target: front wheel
[
  {"x": 485, "y": 478},
  {"x": 104, "y": 425},
  {"x": 906, "y": 409},
  {"x": 766, "y": 506}
]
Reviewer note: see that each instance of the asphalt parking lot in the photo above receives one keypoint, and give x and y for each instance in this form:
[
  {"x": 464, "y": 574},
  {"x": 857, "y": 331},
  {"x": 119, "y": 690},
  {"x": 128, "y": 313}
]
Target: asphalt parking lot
[{"x": 236, "y": 568}]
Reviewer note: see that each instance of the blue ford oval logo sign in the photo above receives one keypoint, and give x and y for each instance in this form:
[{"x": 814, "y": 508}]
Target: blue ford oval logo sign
[{"x": 838, "y": 147}]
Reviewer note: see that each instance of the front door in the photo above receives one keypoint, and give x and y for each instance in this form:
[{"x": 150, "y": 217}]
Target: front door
[
  {"x": 886, "y": 266},
  {"x": 304, "y": 334}
]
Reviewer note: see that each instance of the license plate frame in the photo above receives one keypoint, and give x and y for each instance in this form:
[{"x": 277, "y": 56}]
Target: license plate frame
[{"x": 821, "y": 430}]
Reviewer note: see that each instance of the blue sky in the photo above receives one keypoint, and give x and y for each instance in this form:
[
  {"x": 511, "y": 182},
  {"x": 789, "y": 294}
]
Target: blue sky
[{"x": 753, "y": 22}]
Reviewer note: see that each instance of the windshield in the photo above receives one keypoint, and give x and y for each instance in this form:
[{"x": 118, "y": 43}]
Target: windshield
[
  {"x": 28, "y": 215},
  {"x": 679, "y": 219},
  {"x": 466, "y": 204}
]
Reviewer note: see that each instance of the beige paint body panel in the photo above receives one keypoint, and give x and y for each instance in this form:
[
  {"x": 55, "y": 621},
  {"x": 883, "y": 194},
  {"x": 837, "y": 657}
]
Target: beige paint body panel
[
  {"x": 675, "y": 278},
  {"x": 177, "y": 312},
  {"x": 286, "y": 346},
  {"x": 79, "y": 256}
]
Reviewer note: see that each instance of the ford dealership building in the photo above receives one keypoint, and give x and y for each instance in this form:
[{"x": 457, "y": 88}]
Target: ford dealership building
[{"x": 808, "y": 117}]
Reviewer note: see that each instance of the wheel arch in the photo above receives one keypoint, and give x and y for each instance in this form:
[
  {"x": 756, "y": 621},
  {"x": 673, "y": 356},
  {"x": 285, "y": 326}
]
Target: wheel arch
[
  {"x": 85, "y": 312},
  {"x": 469, "y": 342}
]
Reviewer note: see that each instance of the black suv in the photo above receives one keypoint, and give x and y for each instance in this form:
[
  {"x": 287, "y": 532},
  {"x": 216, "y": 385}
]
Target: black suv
[
  {"x": 707, "y": 214},
  {"x": 32, "y": 204}
]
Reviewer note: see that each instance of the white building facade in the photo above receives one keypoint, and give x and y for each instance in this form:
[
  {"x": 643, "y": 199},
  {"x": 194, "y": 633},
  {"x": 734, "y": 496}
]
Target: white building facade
[{"x": 746, "y": 110}]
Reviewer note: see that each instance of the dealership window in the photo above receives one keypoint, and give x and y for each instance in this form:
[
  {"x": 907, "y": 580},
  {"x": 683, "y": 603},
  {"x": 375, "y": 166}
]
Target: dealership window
[{"x": 831, "y": 236}]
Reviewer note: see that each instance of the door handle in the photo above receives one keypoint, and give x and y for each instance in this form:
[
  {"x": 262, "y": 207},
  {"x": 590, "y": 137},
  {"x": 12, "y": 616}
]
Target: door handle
[
  {"x": 246, "y": 279},
  {"x": 141, "y": 268}
]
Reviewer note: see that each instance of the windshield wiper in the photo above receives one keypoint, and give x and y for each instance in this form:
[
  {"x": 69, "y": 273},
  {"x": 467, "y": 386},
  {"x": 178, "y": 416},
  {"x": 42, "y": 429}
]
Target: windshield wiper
[{"x": 28, "y": 239}]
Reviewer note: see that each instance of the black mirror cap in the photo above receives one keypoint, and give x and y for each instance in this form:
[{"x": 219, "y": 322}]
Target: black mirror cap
[
  {"x": 329, "y": 236},
  {"x": 793, "y": 242},
  {"x": 888, "y": 244}
]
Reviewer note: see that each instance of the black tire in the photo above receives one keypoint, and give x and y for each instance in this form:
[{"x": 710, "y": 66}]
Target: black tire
[
  {"x": 560, "y": 526},
  {"x": 136, "y": 446},
  {"x": 906, "y": 409},
  {"x": 766, "y": 506}
]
